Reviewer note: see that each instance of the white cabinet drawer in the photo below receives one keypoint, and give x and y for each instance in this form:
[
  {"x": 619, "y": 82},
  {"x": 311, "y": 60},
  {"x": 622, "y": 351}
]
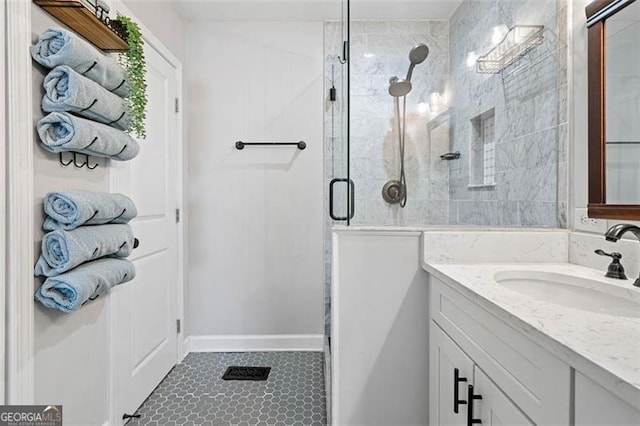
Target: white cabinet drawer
[{"x": 533, "y": 379}]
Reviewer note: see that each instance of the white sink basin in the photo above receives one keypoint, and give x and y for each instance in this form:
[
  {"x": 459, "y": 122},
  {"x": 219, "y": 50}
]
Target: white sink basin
[{"x": 573, "y": 292}]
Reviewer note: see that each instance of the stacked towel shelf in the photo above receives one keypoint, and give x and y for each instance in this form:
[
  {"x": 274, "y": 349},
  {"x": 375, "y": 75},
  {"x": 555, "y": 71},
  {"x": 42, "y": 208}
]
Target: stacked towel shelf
[
  {"x": 84, "y": 253},
  {"x": 94, "y": 25},
  {"x": 84, "y": 94}
]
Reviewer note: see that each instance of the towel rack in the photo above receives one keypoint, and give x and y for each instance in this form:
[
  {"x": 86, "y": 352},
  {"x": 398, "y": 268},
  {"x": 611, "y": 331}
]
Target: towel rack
[
  {"x": 240, "y": 145},
  {"x": 74, "y": 160}
]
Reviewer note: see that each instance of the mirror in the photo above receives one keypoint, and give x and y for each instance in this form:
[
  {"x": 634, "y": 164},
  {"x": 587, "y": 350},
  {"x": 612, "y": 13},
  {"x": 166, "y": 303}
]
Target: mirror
[
  {"x": 614, "y": 109},
  {"x": 622, "y": 106}
]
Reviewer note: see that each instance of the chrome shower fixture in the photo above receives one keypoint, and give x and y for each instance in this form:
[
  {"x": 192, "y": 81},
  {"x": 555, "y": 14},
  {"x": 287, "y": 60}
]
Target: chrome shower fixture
[
  {"x": 417, "y": 55},
  {"x": 398, "y": 87},
  {"x": 401, "y": 87},
  {"x": 395, "y": 191}
]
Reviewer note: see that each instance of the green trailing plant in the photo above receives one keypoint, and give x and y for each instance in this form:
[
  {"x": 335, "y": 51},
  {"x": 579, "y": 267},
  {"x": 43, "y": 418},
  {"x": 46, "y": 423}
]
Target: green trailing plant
[{"x": 134, "y": 63}]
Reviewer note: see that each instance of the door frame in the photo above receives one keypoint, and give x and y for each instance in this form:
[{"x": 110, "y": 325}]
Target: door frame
[
  {"x": 181, "y": 350},
  {"x": 3, "y": 219},
  {"x": 20, "y": 212}
]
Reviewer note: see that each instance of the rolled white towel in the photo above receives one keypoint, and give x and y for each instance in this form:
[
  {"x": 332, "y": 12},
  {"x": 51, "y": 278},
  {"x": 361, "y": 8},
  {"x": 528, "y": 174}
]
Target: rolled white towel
[
  {"x": 66, "y": 90},
  {"x": 61, "y": 131},
  {"x": 64, "y": 250},
  {"x": 57, "y": 46},
  {"x": 73, "y": 208},
  {"x": 69, "y": 291}
]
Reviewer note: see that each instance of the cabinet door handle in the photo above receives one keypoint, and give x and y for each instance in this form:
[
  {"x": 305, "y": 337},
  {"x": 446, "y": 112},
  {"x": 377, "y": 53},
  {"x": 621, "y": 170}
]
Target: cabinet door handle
[
  {"x": 470, "y": 398},
  {"x": 456, "y": 393}
]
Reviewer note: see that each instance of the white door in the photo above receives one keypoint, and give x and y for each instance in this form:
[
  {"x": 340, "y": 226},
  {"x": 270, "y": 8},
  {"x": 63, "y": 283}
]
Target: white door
[{"x": 144, "y": 311}]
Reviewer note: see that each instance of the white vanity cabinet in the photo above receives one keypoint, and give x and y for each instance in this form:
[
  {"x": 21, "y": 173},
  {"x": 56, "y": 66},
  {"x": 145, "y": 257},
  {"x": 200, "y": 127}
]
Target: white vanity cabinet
[
  {"x": 495, "y": 408},
  {"x": 519, "y": 382},
  {"x": 596, "y": 406},
  {"x": 450, "y": 370},
  {"x": 461, "y": 392}
]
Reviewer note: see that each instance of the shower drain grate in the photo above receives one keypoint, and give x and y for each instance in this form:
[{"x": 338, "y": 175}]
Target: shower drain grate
[{"x": 246, "y": 373}]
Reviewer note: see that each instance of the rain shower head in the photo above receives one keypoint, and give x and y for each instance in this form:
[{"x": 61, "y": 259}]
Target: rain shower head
[{"x": 399, "y": 87}]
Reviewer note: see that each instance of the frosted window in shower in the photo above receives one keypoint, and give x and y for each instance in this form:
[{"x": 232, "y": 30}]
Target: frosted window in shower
[{"x": 483, "y": 150}]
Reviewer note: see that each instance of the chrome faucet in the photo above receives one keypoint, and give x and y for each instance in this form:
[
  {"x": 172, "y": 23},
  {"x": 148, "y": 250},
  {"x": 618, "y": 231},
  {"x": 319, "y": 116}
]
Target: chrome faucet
[{"x": 616, "y": 232}]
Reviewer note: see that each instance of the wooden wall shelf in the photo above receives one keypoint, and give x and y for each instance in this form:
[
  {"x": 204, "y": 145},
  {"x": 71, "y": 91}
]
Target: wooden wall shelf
[{"x": 82, "y": 20}]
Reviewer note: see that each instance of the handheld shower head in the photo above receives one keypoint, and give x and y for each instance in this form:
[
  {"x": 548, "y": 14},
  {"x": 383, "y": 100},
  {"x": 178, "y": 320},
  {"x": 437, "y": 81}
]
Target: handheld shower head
[
  {"x": 417, "y": 55},
  {"x": 399, "y": 87}
]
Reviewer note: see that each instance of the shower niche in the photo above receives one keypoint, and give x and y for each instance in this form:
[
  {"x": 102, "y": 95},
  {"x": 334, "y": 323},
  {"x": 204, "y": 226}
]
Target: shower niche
[{"x": 482, "y": 164}]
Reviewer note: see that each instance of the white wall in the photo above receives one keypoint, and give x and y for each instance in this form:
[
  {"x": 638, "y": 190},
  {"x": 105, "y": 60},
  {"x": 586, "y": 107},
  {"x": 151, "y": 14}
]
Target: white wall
[
  {"x": 255, "y": 216},
  {"x": 379, "y": 329},
  {"x": 163, "y": 20}
]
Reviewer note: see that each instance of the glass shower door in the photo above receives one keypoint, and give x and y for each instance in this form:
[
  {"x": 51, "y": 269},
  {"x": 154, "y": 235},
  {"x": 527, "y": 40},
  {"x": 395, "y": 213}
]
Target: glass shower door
[
  {"x": 339, "y": 189},
  {"x": 341, "y": 196}
]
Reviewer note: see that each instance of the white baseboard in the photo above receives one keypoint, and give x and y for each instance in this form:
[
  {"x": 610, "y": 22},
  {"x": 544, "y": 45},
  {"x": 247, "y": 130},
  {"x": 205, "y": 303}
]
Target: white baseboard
[
  {"x": 256, "y": 343},
  {"x": 183, "y": 349}
]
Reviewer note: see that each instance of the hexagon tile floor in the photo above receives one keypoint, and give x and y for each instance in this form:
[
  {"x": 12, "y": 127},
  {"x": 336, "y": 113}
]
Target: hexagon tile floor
[{"x": 193, "y": 393}]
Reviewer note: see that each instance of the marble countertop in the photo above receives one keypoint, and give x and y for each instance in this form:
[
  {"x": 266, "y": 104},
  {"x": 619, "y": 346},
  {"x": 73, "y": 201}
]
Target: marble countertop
[{"x": 601, "y": 346}]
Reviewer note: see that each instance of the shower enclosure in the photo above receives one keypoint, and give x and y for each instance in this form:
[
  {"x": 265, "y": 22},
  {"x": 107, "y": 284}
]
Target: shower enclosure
[
  {"x": 370, "y": 154},
  {"x": 481, "y": 147},
  {"x": 484, "y": 147}
]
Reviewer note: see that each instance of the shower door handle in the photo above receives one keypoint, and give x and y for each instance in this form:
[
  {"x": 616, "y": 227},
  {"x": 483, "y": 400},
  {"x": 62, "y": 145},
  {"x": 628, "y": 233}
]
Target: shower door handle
[{"x": 352, "y": 192}]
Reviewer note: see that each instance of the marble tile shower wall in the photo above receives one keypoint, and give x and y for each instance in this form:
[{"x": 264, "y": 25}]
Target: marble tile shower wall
[
  {"x": 530, "y": 104},
  {"x": 379, "y": 50}
]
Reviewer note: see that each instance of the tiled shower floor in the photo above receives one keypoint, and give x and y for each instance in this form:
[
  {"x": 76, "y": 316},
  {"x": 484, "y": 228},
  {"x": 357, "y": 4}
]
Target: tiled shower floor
[{"x": 193, "y": 392}]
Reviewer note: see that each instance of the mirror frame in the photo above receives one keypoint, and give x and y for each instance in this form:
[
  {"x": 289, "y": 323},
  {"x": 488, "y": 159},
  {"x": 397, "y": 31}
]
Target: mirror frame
[{"x": 597, "y": 13}]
